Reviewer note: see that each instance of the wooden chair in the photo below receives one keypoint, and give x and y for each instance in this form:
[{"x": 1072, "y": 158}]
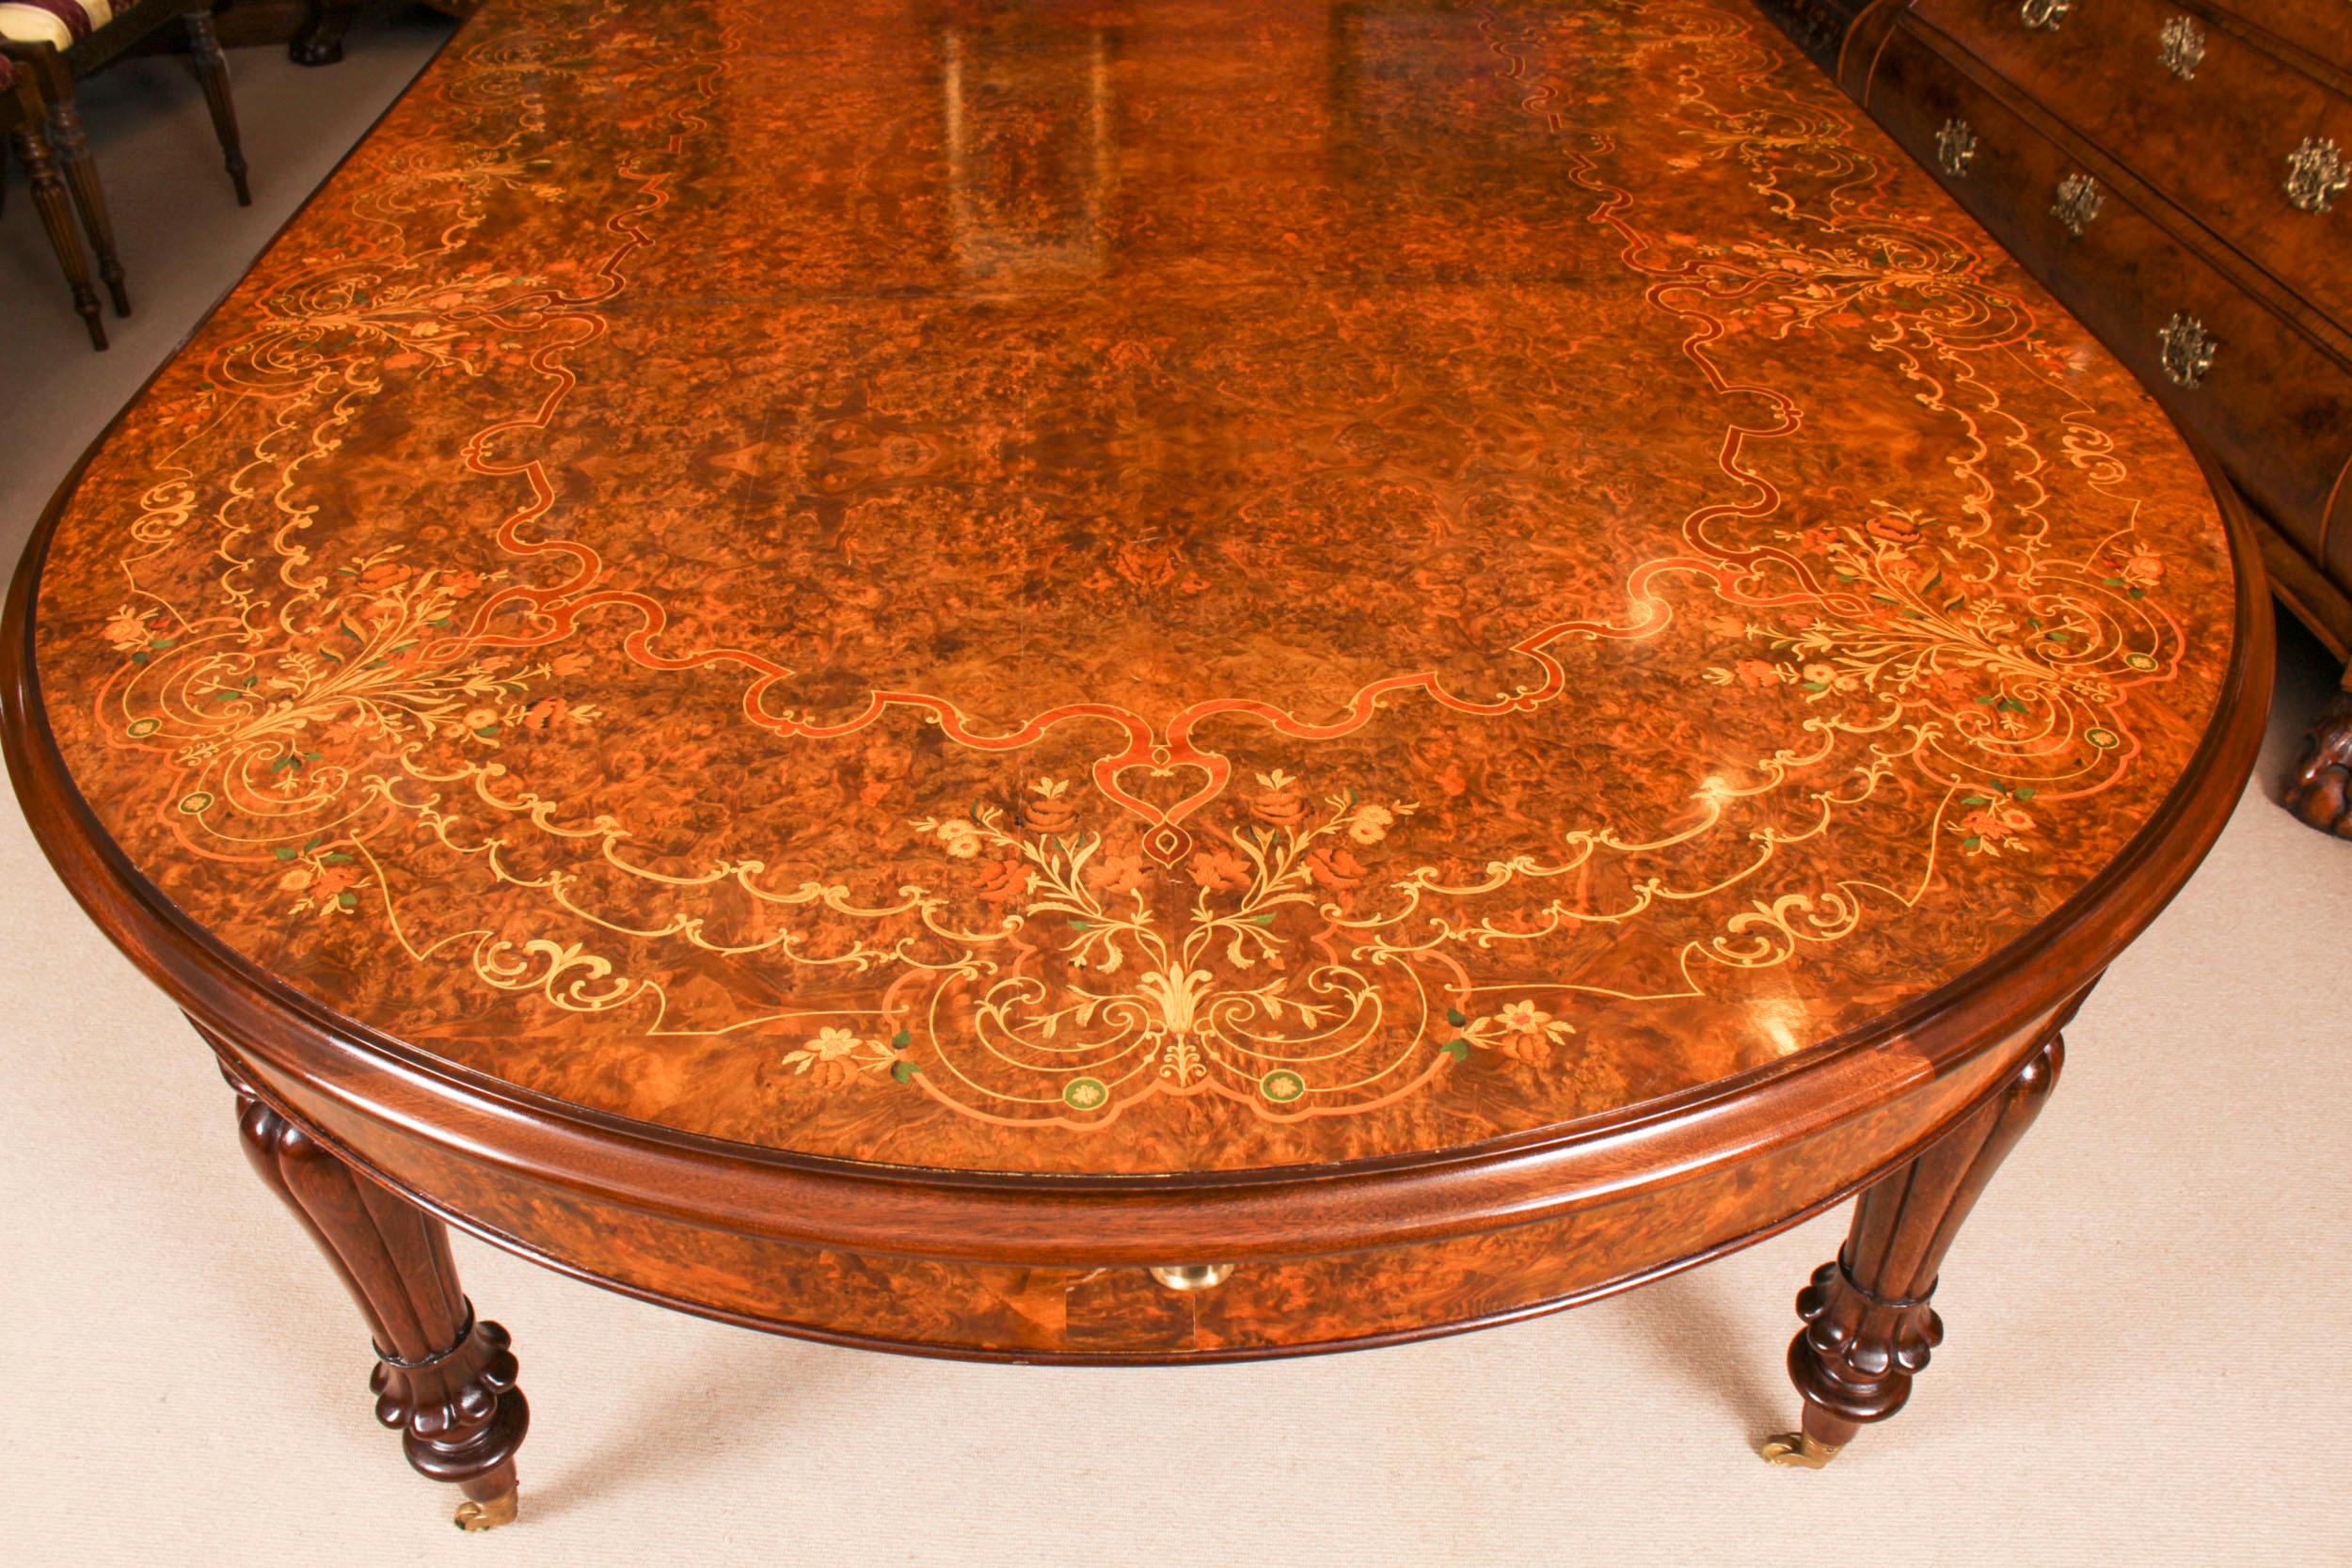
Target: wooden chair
[
  {"x": 24, "y": 113},
  {"x": 60, "y": 42}
]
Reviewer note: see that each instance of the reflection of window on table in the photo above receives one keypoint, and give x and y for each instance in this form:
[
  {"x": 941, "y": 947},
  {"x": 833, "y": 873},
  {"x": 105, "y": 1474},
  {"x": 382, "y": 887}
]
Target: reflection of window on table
[{"x": 1032, "y": 165}]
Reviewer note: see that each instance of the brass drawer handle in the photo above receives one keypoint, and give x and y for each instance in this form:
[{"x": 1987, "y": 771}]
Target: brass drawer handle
[
  {"x": 2079, "y": 200},
  {"x": 1955, "y": 148},
  {"x": 2315, "y": 172},
  {"x": 2186, "y": 351},
  {"x": 2043, "y": 16},
  {"x": 2182, "y": 45}
]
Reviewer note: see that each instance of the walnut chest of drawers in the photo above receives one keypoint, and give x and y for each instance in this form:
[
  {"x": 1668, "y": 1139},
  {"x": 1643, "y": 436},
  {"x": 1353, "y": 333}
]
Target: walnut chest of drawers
[{"x": 2176, "y": 172}]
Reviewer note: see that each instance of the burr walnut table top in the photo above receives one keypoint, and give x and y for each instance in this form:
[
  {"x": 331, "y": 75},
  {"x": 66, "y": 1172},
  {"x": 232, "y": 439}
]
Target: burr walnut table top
[{"x": 1130, "y": 588}]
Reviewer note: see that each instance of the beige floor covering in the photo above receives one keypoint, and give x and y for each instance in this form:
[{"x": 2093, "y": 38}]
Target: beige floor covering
[{"x": 2147, "y": 1318}]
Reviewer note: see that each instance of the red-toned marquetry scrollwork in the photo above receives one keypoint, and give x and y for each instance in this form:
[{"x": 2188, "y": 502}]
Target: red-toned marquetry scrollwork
[
  {"x": 443, "y": 1380},
  {"x": 1868, "y": 1328}
]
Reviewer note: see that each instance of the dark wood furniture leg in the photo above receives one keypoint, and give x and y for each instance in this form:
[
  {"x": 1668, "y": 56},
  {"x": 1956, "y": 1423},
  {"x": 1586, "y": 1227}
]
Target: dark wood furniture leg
[
  {"x": 81, "y": 178},
  {"x": 57, "y": 215},
  {"x": 321, "y": 42},
  {"x": 2321, "y": 790},
  {"x": 444, "y": 1380},
  {"x": 1867, "y": 1325},
  {"x": 211, "y": 71}
]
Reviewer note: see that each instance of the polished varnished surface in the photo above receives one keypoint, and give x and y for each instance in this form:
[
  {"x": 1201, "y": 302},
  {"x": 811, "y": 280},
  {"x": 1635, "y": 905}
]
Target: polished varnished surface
[{"x": 1129, "y": 587}]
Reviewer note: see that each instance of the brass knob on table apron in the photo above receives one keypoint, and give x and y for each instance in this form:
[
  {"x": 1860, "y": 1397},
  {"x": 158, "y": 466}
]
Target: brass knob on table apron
[{"x": 1192, "y": 1276}]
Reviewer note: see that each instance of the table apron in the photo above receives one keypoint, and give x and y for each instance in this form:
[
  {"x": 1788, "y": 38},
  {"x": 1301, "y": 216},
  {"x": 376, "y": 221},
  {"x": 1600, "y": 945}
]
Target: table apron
[{"x": 1044, "y": 1306}]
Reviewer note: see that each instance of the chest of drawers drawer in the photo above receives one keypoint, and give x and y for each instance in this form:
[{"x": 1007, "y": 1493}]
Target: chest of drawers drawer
[
  {"x": 2322, "y": 29},
  {"x": 2273, "y": 402},
  {"x": 2210, "y": 120}
]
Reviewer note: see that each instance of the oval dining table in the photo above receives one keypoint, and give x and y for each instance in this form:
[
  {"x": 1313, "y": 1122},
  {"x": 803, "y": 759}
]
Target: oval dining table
[{"x": 1130, "y": 681}]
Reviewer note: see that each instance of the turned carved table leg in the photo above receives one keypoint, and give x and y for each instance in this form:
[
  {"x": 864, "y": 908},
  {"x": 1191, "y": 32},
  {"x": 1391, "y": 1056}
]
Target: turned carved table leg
[
  {"x": 2321, "y": 790},
  {"x": 1867, "y": 1325},
  {"x": 445, "y": 1381}
]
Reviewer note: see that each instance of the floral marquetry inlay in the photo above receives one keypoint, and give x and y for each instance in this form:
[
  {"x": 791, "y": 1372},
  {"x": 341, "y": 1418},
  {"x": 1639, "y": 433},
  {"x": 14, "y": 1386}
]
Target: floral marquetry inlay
[{"x": 1129, "y": 587}]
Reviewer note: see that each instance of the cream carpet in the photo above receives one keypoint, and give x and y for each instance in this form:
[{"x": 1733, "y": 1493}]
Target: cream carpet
[{"x": 2147, "y": 1316}]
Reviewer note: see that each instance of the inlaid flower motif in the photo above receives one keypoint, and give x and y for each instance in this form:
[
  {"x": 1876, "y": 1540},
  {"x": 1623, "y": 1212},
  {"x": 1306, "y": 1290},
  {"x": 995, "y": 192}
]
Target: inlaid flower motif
[
  {"x": 332, "y": 881},
  {"x": 1994, "y": 828},
  {"x": 324, "y": 879},
  {"x": 1047, "y": 807},
  {"x": 1523, "y": 1032},
  {"x": 1112, "y": 875},
  {"x": 127, "y": 629},
  {"x": 357, "y": 727},
  {"x": 959, "y": 838},
  {"x": 1370, "y": 824},
  {"x": 1279, "y": 803},
  {"x": 1004, "y": 881},
  {"x": 1819, "y": 680},
  {"x": 1219, "y": 870},
  {"x": 836, "y": 1056},
  {"x": 1333, "y": 867},
  {"x": 1896, "y": 527}
]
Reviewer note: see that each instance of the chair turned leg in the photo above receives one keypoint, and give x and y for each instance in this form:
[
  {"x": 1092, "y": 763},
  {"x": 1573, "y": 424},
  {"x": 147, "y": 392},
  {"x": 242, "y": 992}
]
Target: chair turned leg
[
  {"x": 211, "y": 71},
  {"x": 81, "y": 178},
  {"x": 1868, "y": 1328},
  {"x": 57, "y": 216},
  {"x": 321, "y": 40},
  {"x": 445, "y": 1381},
  {"x": 2321, "y": 790}
]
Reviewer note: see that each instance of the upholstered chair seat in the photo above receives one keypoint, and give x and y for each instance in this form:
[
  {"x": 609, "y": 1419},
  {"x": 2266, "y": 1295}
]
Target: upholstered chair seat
[
  {"x": 59, "y": 24},
  {"x": 57, "y": 42}
]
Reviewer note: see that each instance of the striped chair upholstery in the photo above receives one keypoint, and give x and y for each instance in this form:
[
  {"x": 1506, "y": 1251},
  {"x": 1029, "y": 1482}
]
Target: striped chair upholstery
[
  {"x": 57, "y": 42},
  {"x": 61, "y": 23}
]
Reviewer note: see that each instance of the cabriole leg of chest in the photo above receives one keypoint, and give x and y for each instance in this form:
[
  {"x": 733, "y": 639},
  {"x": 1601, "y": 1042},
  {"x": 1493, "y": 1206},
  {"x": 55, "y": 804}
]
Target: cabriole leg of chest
[
  {"x": 1869, "y": 1328},
  {"x": 444, "y": 1380},
  {"x": 2320, "y": 791},
  {"x": 321, "y": 40}
]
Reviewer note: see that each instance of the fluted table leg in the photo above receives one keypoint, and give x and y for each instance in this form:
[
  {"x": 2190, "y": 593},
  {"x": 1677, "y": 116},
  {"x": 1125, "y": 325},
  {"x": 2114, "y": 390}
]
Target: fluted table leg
[
  {"x": 443, "y": 1380},
  {"x": 1869, "y": 1328}
]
